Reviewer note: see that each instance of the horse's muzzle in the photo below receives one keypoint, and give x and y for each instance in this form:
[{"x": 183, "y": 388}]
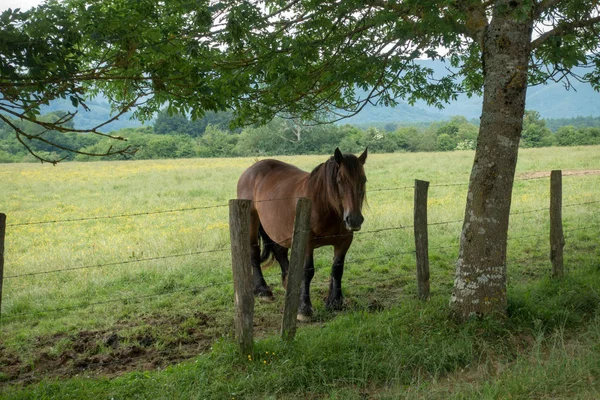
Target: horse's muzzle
[{"x": 353, "y": 222}]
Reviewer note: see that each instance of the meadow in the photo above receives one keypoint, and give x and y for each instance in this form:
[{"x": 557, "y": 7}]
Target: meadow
[{"x": 118, "y": 284}]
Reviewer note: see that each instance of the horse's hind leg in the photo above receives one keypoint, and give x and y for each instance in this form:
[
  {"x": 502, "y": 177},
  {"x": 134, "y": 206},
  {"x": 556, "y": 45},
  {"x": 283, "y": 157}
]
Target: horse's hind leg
[
  {"x": 279, "y": 252},
  {"x": 261, "y": 289},
  {"x": 281, "y": 255}
]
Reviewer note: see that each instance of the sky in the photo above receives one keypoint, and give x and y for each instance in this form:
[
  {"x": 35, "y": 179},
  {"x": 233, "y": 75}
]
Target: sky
[{"x": 22, "y": 4}]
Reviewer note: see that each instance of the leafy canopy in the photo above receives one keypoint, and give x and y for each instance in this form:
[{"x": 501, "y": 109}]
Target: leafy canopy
[{"x": 305, "y": 59}]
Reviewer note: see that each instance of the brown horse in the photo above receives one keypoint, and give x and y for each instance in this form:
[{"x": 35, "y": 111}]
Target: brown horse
[{"x": 337, "y": 190}]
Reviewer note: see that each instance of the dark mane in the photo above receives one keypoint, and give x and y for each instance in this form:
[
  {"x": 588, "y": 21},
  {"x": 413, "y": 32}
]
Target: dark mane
[
  {"x": 352, "y": 167},
  {"x": 323, "y": 179}
]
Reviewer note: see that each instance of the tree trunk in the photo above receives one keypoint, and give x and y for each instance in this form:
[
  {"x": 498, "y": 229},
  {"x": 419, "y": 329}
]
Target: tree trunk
[{"x": 480, "y": 280}]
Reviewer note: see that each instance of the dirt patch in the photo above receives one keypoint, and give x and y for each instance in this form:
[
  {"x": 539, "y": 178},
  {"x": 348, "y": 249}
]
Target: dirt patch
[
  {"x": 152, "y": 343},
  {"x": 545, "y": 174}
]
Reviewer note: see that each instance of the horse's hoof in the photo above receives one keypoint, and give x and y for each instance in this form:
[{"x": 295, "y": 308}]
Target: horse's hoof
[
  {"x": 335, "y": 305},
  {"x": 263, "y": 293},
  {"x": 266, "y": 298},
  {"x": 303, "y": 317},
  {"x": 305, "y": 313}
]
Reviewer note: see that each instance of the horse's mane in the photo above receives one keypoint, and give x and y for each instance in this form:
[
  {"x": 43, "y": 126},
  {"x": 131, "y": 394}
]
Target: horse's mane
[{"x": 324, "y": 185}]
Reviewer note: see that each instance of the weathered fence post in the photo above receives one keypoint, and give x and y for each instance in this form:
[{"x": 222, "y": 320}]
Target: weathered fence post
[
  {"x": 239, "y": 232},
  {"x": 421, "y": 239},
  {"x": 557, "y": 239},
  {"x": 295, "y": 272},
  {"x": 2, "y": 235}
]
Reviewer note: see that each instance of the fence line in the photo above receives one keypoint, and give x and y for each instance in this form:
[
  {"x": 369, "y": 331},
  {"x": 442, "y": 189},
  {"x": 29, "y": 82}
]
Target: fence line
[
  {"x": 116, "y": 263},
  {"x": 319, "y": 237},
  {"x": 123, "y": 299},
  {"x": 193, "y": 289},
  {"x": 389, "y": 189},
  {"x": 185, "y": 209},
  {"x": 529, "y": 211},
  {"x": 582, "y": 228},
  {"x": 444, "y": 247},
  {"x": 198, "y": 288},
  {"x": 378, "y": 257},
  {"x": 580, "y": 204},
  {"x": 256, "y": 201},
  {"x": 116, "y": 216}
]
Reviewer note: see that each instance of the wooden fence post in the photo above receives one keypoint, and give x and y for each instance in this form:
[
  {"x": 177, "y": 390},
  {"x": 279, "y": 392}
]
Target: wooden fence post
[
  {"x": 2, "y": 235},
  {"x": 557, "y": 239},
  {"x": 421, "y": 239},
  {"x": 239, "y": 232},
  {"x": 295, "y": 272}
]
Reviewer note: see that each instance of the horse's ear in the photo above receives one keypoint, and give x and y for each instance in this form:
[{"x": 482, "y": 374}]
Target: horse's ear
[
  {"x": 339, "y": 157},
  {"x": 363, "y": 157}
]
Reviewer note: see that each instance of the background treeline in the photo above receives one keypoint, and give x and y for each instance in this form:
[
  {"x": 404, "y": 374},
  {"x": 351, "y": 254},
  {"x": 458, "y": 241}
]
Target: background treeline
[{"x": 175, "y": 136}]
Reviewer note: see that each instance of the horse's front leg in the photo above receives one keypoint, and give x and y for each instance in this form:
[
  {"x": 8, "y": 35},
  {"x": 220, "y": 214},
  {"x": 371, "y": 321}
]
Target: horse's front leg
[
  {"x": 305, "y": 309},
  {"x": 335, "y": 299}
]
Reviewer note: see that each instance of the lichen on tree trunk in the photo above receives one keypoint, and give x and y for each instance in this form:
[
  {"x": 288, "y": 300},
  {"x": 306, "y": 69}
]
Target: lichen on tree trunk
[{"x": 480, "y": 280}]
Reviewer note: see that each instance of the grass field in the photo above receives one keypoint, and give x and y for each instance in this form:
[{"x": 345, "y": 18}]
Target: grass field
[{"x": 149, "y": 287}]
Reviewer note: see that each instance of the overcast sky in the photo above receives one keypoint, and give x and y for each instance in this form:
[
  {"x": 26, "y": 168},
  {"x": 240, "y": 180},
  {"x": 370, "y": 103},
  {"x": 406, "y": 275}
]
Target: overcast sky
[{"x": 22, "y": 4}]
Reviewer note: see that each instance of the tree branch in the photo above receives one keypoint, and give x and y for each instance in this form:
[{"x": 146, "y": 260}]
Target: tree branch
[
  {"x": 20, "y": 134},
  {"x": 544, "y": 5},
  {"x": 563, "y": 28}
]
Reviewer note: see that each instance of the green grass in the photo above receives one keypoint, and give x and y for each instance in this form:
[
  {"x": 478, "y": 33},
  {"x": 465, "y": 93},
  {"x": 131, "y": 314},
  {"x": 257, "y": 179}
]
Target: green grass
[
  {"x": 385, "y": 345},
  {"x": 410, "y": 351}
]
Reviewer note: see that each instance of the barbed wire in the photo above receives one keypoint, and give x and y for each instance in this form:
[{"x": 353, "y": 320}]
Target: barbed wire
[
  {"x": 527, "y": 236},
  {"x": 120, "y": 299},
  {"x": 519, "y": 179},
  {"x": 444, "y": 247},
  {"x": 450, "y": 184},
  {"x": 117, "y": 263},
  {"x": 126, "y": 299},
  {"x": 467, "y": 183},
  {"x": 456, "y": 221},
  {"x": 229, "y": 281},
  {"x": 184, "y": 209},
  {"x": 548, "y": 233},
  {"x": 401, "y": 227},
  {"x": 116, "y": 216},
  {"x": 582, "y": 228},
  {"x": 530, "y": 211},
  {"x": 533, "y": 178},
  {"x": 358, "y": 260},
  {"x": 580, "y": 204},
  {"x": 389, "y": 189}
]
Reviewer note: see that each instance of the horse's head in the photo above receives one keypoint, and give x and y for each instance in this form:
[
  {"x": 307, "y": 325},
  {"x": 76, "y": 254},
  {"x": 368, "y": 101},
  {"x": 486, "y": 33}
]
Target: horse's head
[{"x": 351, "y": 184}]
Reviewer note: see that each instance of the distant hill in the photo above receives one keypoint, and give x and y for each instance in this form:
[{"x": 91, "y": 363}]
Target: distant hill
[
  {"x": 550, "y": 100},
  {"x": 99, "y": 112}
]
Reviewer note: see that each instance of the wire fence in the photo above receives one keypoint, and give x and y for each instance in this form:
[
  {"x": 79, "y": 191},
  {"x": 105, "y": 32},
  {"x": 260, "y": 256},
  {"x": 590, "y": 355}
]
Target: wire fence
[
  {"x": 229, "y": 282},
  {"x": 222, "y": 205},
  {"x": 395, "y": 263},
  {"x": 374, "y": 231},
  {"x": 163, "y": 257}
]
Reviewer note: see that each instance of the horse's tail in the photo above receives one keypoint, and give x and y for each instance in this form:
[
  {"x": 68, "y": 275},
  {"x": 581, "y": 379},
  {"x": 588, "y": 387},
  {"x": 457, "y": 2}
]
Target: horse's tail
[{"x": 267, "y": 256}]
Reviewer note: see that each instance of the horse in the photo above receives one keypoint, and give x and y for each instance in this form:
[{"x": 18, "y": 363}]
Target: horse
[{"x": 337, "y": 189}]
